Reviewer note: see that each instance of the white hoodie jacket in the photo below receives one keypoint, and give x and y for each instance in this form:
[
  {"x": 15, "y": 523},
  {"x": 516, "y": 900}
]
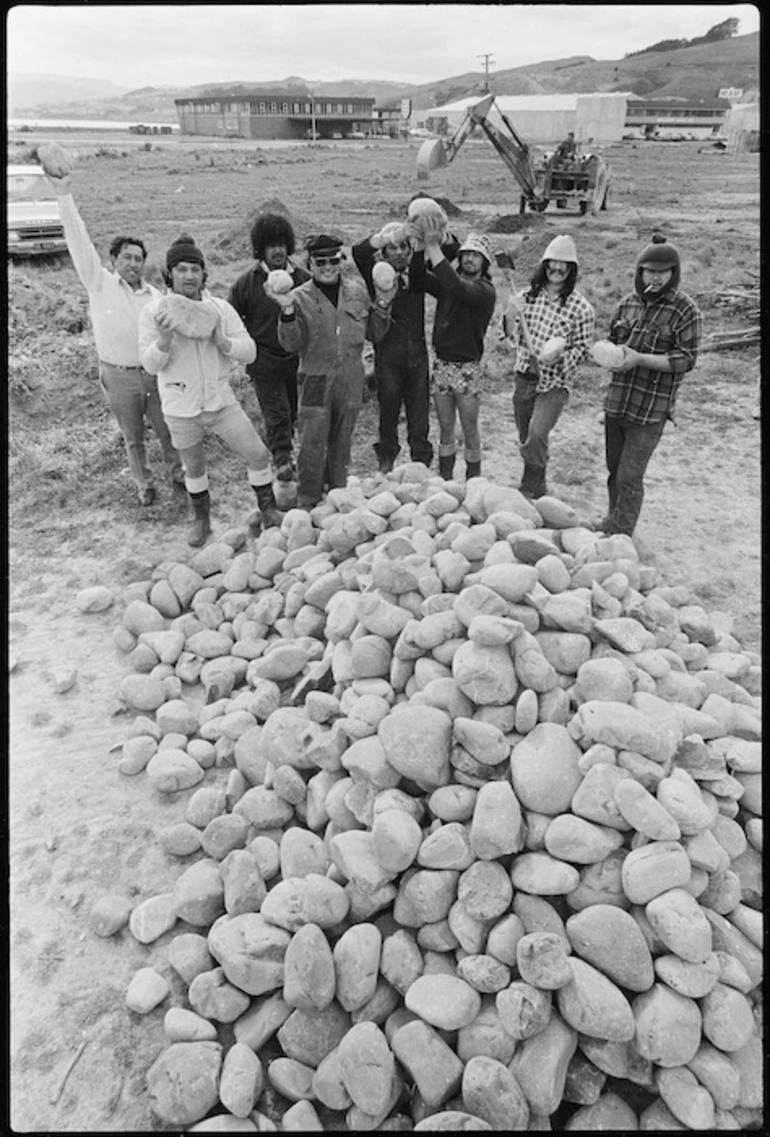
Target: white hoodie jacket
[{"x": 193, "y": 375}]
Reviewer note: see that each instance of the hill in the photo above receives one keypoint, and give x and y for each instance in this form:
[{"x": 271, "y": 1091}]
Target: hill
[
  {"x": 26, "y": 90},
  {"x": 693, "y": 73}
]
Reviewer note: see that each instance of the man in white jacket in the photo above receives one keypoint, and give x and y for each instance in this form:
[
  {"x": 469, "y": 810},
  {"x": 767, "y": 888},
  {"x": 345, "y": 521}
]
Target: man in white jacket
[
  {"x": 190, "y": 345},
  {"x": 115, "y": 299}
]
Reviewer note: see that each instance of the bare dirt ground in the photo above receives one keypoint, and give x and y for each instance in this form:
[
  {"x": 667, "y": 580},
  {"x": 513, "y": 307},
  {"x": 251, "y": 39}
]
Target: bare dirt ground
[{"x": 80, "y": 829}]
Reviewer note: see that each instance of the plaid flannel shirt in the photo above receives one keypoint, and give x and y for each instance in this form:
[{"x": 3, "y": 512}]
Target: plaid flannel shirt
[
  {"x": 574, "y": 320},
  {"x": 670, "y": 324}
]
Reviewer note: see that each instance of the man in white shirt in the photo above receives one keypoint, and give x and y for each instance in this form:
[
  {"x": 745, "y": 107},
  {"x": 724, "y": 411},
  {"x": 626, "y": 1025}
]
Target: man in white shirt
[{"x": 116, "y": 296}]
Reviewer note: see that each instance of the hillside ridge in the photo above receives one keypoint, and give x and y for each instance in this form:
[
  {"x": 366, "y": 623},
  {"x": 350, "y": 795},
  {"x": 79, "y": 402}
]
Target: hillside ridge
[{"x": 694, "y": 73}]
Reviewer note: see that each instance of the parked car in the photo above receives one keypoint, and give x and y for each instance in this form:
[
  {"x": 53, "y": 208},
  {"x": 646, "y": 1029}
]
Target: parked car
[{"x": 34, "y": 221}]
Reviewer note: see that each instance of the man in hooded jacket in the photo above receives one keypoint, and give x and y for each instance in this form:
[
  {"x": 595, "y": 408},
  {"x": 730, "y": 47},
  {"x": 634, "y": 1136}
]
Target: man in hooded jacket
[{"x": 660, "y": 328}]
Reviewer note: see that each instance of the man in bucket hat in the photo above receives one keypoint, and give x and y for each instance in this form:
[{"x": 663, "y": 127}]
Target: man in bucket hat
[
  {"x": 465, "y": 301},
  {"x": 325, "y": 321},
  {"x": 190, "y": 347},
  {"x": 660, "y": 329},
  {"x": 552, "y": 312}
]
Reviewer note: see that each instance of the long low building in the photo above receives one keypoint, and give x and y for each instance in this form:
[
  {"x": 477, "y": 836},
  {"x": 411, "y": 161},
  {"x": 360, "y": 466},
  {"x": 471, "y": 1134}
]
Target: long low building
[
  {"x": 595, "y": 118},
  {"x": 275, "y": 114},
  {"x": 675, "y": 118}
]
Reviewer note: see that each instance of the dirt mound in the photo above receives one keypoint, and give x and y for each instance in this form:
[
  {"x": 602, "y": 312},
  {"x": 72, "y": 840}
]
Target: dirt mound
[
  {"x": 38, "y": 301},
  {"x": 513, "y": 222},
  {"x": 234, "y": 244},
  {"x": 50, "y": 353}
]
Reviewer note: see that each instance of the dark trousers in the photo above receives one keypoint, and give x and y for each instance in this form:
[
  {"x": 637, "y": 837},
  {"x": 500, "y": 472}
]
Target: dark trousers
[
  {"x": 275, "y": 385},
  {"x": 628, "y": 448},
  {"x": 404, "y": 381},
  {"x": 328, "y": 410},
  {"x": 536, "y": 414}
]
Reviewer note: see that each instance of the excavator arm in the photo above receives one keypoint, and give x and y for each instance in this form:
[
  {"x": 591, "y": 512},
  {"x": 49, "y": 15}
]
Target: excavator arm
[{"x": 437, "y": 152}]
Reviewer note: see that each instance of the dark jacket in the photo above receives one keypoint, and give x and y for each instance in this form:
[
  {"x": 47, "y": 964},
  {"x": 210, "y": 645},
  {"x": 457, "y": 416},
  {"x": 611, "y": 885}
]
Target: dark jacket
[
  {"x": 406, "y": 335},
  {"x": 258, "y": 312},
  {"x": 463, "y": 311}
]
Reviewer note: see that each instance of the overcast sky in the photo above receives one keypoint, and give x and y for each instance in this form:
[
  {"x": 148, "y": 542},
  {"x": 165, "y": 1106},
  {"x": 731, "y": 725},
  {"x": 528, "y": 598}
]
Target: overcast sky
[{"x": 138, "y": 45}]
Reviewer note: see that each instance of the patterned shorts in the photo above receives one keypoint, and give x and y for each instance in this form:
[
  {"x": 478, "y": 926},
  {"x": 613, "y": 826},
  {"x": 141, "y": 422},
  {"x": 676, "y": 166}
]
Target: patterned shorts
[{"x": 457, "y": 378}]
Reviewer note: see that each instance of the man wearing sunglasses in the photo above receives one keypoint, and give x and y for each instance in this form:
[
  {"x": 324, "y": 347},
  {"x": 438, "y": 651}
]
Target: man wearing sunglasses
[{"x": 325, "y": 321}]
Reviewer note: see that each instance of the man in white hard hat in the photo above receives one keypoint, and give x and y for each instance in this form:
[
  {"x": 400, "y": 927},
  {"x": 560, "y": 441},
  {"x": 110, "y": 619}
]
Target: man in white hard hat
[{"x": 550, "y": 307}]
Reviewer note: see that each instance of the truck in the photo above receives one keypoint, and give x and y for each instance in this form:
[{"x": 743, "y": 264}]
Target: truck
[
  {"x": 35, "y": 226},
  {"x": 580, "y": 179}
]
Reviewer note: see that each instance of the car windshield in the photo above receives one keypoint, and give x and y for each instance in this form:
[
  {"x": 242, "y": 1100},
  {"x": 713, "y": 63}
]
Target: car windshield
[{"x": 28, "y": 187}]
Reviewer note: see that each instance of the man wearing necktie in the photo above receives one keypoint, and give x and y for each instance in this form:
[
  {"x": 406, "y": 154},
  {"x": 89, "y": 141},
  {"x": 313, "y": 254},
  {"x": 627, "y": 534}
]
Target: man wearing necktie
[{"x": 401, "y": 357}]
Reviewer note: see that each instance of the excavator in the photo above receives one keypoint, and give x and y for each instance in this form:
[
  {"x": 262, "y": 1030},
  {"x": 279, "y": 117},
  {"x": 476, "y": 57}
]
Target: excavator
[{"x": 583, "y": 179}]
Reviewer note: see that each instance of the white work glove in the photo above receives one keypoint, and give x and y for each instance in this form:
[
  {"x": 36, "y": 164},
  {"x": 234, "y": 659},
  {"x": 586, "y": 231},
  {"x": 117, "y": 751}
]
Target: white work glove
[{"x": 284, "y": 299}]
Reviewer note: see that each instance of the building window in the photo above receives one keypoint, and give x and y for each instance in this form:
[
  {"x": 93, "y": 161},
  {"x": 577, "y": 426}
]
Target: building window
[
  {"x": 274, "y": 108},
  {"x": 285, "y": 108},
  {"x": 338, "y": 108},
  {"x": 295, "y": 108},
  {"x": 350, "y": 108},
  {"x": 262, "y": 108}
]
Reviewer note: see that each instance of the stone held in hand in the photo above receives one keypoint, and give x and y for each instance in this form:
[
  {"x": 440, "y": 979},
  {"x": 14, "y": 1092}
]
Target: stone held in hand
[
  {"x": 608, "y": 354},
  {"x": 552, "y": 349},
  {"x": 195, "y": 319},
  {"x": 280, "y": 281},
  {"x": 54, "y": 159},
  {"x": 383, "y": 275}
]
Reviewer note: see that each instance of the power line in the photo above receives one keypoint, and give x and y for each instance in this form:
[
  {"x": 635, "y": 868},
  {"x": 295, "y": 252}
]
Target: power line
[{"x": 487, "y": 60}]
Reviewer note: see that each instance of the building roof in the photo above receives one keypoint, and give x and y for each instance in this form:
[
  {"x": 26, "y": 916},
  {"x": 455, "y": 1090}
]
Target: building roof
[{"x": 520, "y": 103}]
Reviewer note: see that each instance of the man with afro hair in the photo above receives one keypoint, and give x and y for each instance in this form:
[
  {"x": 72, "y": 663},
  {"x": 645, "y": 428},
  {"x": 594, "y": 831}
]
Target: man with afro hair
[{"x": 274, "y": 372}]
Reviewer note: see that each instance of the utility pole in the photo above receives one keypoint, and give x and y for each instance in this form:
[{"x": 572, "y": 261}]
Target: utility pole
[{"x": 487, "y": 60}]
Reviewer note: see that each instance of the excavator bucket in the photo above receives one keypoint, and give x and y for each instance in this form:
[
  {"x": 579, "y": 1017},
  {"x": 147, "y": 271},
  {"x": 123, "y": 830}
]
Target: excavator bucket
[{"x": 430, "y": 156}]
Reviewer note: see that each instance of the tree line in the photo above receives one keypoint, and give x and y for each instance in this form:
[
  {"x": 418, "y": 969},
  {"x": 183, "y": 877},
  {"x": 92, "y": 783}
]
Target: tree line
[{"x": 719, "y": 32}]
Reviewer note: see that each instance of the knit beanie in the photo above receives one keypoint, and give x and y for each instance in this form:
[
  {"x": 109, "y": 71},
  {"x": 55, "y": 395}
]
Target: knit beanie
[
  {"x": 659, "y": 254},
  {"x": 561, "y": 248},
  {"x": 184, "y": 249}
]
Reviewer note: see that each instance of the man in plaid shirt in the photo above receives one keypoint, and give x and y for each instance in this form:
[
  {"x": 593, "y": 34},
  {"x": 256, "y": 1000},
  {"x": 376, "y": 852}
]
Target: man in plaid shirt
[
  {"x": 551, "y": 325},
  {"x": 659, "y": 328}
]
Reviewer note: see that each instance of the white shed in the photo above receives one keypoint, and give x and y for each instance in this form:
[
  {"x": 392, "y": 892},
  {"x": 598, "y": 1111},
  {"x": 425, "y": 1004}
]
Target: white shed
[
  {"x": 742, "y": 127},
  {"x": 544, "y": 119}
]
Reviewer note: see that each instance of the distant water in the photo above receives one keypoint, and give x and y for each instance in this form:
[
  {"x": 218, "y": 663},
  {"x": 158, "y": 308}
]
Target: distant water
[{"x": 80, "y": 124}]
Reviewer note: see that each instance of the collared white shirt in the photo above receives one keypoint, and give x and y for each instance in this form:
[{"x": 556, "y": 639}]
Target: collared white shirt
[{"x": 113, "y": 304}]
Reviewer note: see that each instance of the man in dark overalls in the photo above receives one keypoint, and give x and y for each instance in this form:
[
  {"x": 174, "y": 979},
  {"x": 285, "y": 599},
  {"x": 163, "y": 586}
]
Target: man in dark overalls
[
  {"x": 326, "y": 321},
  {"x": 401, "y": 357}
]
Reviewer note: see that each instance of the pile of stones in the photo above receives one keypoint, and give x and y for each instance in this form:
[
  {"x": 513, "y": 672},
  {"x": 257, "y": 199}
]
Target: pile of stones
[{"x": 470, "y": 825}]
